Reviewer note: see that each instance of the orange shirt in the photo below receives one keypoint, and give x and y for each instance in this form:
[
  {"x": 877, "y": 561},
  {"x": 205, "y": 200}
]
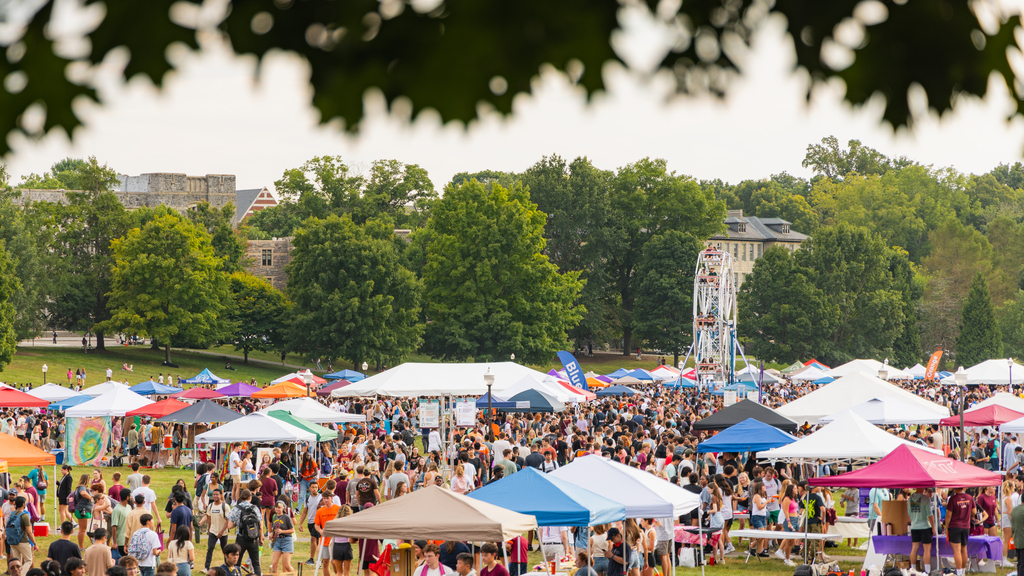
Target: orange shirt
[{"x": 324, "y": 515}]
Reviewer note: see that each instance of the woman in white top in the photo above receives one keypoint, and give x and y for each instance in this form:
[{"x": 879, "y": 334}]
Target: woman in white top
[
  {"x": 759, "y": 516},
  {"x": 598, "y": 545},
  {"x": 1011, "y": 498},
  {"x": 181, "y": 551},
  {"x": 727, "y": 512},
  {"x": 461, "y": 483}
]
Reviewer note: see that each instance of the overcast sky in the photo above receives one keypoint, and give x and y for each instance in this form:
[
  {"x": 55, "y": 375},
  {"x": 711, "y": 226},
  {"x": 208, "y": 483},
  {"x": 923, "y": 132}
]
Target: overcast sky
[{"x": 213, "y": 119}]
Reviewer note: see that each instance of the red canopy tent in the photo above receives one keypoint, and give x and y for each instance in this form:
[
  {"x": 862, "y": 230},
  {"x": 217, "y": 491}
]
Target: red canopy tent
[
  {"x": 198, "y": 394},
  {"x": 159, "y": 409},
  {"x": 11, "y": 398},
  {"x": 586, "y": 393},
  {"x": 814, "y": 361},
  {"x": 993, "y": 415},
  {"x": 909, "y": 467}
]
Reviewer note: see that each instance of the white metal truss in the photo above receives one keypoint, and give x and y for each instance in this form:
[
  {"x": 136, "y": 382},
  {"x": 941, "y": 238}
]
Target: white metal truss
[{"x": 714, "y": 316}]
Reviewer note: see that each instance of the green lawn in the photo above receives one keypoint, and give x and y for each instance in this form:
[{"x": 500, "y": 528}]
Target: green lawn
[{"x": 28, "y": 362}]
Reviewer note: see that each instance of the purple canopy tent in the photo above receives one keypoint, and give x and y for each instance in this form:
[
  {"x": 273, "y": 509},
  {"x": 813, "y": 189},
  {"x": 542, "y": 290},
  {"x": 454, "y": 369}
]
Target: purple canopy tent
[{"x": 238, "y": 389}]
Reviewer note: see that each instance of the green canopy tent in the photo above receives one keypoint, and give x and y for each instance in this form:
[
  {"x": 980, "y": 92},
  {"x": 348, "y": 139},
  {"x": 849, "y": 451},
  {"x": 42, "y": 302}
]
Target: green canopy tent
[
  {"x": 792, "y": 368},
  {"x": 322, "y": 434}
]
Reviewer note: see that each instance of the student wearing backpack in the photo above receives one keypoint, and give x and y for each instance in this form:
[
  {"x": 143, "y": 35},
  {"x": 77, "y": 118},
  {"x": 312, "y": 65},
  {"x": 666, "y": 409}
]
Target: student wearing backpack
[
  {"x": 217, "y": 513},
  {"x": 145, "y": 546},
  {"x": 18, "y": 534},
  {"x": 246, "y": 517}
]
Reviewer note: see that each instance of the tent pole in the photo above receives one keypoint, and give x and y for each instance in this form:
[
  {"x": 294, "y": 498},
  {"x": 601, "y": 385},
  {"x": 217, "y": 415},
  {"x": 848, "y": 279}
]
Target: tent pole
[
  {"x": 806, "y": 515},
  {"x": 700, "y": 532}
]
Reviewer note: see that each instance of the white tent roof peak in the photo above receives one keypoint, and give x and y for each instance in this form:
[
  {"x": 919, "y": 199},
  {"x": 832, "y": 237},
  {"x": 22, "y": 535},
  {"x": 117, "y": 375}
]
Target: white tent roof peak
[
  {"x": 887, "y": 410},
  {"x": 101, "y": 389},
  {"x": 310, "y": 409},
  {"x": 1004, "y": 399},
  {"x": 847, "y": 392},
  {"x": 869, "y": 367},
  {"x": 996, "y": 371},
  {"x": 256, "y": 427},
  {"x": 53, "y": 392},
  {"x": 917, "y": 370},
  {"x": 847, "y": 437},
  {"x": 809, "y": 374},
  {"x": 432, "y": 379},
  {"x": 116, "y": 402}
]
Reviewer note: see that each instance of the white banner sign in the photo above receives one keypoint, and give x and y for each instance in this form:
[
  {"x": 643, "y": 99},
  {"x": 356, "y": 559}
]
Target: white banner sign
[
  {"x": 729, "y": 397},
  {"x": 430, "y": 414},
  {"x": 752, "y": 396},
  {"x": 465, "y": 414}
]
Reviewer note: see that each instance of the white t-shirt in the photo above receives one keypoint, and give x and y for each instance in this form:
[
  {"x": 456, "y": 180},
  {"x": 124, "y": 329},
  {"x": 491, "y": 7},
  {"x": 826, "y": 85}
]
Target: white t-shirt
[
  {"x": 110, "y": 374},
  {"x": 429, "y": 572},
  {"x": 147, "y": 493},
  {"x": 154, "y": 542},
  {"x": 234, "y": 464}
]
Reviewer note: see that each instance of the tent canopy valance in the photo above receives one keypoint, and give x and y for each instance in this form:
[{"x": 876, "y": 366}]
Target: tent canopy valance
[
  {"x": 554, "y": 502},
  {"x": 206, "y": 377},
  {"x": 433, "y": 513}
]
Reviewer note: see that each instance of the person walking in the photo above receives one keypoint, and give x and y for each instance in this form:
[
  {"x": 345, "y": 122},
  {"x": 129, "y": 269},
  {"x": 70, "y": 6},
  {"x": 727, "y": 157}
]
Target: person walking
[
  {"x": 217, "y": 532},
  {"x": 247, "y": 518}
]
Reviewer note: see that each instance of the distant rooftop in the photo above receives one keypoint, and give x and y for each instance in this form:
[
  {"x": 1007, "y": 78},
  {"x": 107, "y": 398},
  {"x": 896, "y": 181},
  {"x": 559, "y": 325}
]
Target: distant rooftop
[{"x": 756, "y": 229}]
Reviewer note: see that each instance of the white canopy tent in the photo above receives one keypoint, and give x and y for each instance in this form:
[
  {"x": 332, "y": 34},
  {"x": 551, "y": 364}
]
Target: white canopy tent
[
  {"x": 996, "y": 371},
  {"x": 848, "y": 437},
  {"x": 287, "y": 377},
  {"x": 422, "y": 379},
  {"x": 847, "y": 392},
  {"x": 665, "y": 372},
  {"x": 888, "y": 411},
  {"x": 101, "y": 389},
  {"x": 917, "y": 371},
  {"x": 809, "y": 374},
  {"x": 753, "y": 374},
  {"x": 1003, "y": 399},
  {"x": 547, "y": 386},
  {"x": 869, "y": 367},
  {"x": 643, "y": 494},
  {"x": 256, "y": 427},
  {"x": 53, "y": 393},
  {"x": 310, "y": 409},
  {"x": 116, "y": 402}
]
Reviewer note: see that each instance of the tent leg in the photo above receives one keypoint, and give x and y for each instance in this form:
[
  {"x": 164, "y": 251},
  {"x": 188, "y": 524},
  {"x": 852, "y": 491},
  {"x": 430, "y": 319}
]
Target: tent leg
[
  {"x": 319, "y": 549},
  {"x": 806, "y": 517},
  {"x": 700, "y": 532}
]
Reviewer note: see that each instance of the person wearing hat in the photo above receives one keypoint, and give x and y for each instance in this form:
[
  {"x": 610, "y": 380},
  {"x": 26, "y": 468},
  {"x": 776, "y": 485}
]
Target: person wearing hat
[{"x": 617, "y": 553}]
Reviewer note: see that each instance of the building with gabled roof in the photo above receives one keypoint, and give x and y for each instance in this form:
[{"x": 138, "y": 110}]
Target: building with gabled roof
[{"x": 748, "y": 237}]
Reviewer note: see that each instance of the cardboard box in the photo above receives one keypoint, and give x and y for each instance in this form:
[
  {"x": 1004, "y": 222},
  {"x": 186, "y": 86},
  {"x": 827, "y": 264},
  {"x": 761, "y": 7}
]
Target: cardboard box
[
  {"x": 894, "y": 512},
  {"x": 40, "y": 529},
  {"x": 402, "y": 562}
]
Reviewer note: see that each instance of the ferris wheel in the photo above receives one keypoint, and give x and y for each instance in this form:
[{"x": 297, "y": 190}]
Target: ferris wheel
[{"x": 714, "y": 317}]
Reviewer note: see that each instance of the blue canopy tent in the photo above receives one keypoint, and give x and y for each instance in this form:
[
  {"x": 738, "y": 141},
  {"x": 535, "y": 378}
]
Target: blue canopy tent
[
  {"x": 618, "y": 373},
  {"x": 73, "y": 401},
  {"x": 825, "y": 380},
  {"x": 496, "y": 403},
  {"x": 679, "y": 383},
  {"x": 641, "y": 374},
  {"x": 205, "y": 377},
  {"x": 149, "y": 388},
  {"x": 943, "y": 374},
  {"x": 554, "y": 502},
  {"x": 616, "y": 390},
  {"x": 350, "y": 375},
  {"x": 534, "y": 401},
  {"x": 748, "y": 436}
]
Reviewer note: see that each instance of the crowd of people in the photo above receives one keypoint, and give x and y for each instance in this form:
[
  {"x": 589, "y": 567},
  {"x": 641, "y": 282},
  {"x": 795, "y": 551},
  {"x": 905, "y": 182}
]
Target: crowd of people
[{"x": 293, "y": 490}]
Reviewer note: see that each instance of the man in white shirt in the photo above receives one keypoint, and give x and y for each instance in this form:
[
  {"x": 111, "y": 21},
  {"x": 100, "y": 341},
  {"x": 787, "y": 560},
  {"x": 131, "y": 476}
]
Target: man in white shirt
[
  {"x": 147, "y": 565},
  {"x": 771, "y": 488},
  {"x": 431, "y": 562},
  {"x": 110, "y": 374},
  {"x": 148, "y": 494},
  {"x": 235, "y": 471},
  {"x": 553, "y": 542},
  {"x": 500, "y": 445},
  {"x": 434, "y": 440}
]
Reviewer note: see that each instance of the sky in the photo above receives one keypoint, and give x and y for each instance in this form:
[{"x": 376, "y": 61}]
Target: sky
[{"x": 212, "y": 117}]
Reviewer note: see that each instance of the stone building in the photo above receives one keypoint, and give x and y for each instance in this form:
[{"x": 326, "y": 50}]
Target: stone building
[
  {"x": 749, "y": 236},
  {"x": 267, "y": 259},
  {"x": 176, "y": 191}
]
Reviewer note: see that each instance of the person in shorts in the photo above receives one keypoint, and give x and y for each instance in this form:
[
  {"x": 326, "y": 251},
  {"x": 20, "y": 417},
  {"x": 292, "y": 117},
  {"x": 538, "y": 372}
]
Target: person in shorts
[
  {"x": 919, "y": 510},
  {"x": 282, "y": 546},
  {"x": 959, "y": 511},
  {"x": 341, "y": 547}
]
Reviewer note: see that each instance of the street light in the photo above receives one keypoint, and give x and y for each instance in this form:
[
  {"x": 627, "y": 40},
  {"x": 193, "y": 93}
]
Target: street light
[
  {"x": 513, "y": 357},
  {"x": 883, "y": 371},
  {"x": 1009, "y": 364},
  {"x": 45, "y": 368},
  {"x": 961, "y": 381},
  {"x": 365, "y": 367},
  {"x": 307, "y": 377},
  {"x": 489, "y": 381}
]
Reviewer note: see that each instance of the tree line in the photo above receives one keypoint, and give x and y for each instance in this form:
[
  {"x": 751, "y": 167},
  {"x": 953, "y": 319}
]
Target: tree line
[{"x": 903, "y": 258}]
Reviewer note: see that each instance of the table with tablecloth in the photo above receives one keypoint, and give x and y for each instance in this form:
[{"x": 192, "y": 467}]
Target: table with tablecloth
[
  {"x": 690, "y": 535},
  {"x": 988, "y": 547},
  {"x": 850, "y": 527}
]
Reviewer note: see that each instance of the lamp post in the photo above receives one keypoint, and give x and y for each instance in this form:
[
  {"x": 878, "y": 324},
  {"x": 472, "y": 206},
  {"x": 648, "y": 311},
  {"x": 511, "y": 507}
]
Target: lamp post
[
  {"x": 365, "y": 368},
  {"x": 45, "y": 368},
  {"x": 961, "y": 382},
  {"x": 883, "y": 372},
  {"x": 1009, "y": 364},
  {"x": 307, "y": 377},
  {"x": 513, "y": 357},
  {"x": 489, "y": 381}
]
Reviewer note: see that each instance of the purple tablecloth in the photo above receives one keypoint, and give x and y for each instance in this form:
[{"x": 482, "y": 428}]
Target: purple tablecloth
[{"x": 978, "y": 546}]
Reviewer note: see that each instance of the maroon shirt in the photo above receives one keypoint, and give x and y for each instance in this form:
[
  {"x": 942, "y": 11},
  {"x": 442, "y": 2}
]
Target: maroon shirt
[
  {"x": 267, "y": 490},
  {"x": 960, "y": 508}
]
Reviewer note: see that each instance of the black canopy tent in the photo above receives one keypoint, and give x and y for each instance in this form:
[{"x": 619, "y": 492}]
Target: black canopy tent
[
  {"x": 202, "y": 412},
  {"x": 742, "y": 410}
]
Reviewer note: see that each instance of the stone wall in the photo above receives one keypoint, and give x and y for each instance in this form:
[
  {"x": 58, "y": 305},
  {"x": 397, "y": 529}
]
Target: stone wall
[
  {"x": 177, "y": 191},
  {"x": 279, "y": 251}
]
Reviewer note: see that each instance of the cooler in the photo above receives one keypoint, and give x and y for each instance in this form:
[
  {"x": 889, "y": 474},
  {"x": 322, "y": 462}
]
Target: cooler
[
  {"x": 40, "y": 529},
  {"x": 167, "y": 441}
]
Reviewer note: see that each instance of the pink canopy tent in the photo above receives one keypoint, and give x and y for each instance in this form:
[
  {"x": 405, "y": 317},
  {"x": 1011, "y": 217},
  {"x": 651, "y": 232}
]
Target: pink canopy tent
[
  {"x": 909, "y": 467},
  {"x": 993, "y": 415},
  {"x": 585, "y": 393}
]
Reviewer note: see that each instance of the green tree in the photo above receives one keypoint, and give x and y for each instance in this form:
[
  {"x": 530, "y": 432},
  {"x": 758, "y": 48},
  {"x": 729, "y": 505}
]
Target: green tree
[
  {"x": 645, "y": 200},
  {"x": 1010, "y": 318},
  {"x": 227, "y": 245},
  {"x": 354, "y": 298},
  {"x": 21, "y": 231},
  {"x": 851, "y": 267},
  {"x": 663, "y": 315},
  {"x": 168, "y": 284},
  {"x": 80, "y": 258},
  {"x": 8, "y": 288},
  {"x": 74, "y": 174},
  {"x": 906, "y": 348},
  {"x": 782, "y": 314},
  {"x": 401, "y": 192},
  {"x": 490, "y": 290},
  {"x": 276, "y": 221},
  {"x": 979, "y": 338},
  {"x": 258, "y": 314},
  {"x": 828, "y": 159}
]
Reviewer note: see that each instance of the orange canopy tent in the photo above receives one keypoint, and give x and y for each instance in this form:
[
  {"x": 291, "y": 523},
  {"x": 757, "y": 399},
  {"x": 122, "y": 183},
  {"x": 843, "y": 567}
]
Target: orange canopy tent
[
  {"x": 595, "y": 383},
  {"x": 159, "y": 409},
  {"x": 283, "y": 390},
  {"x": 20, "y": 453}
]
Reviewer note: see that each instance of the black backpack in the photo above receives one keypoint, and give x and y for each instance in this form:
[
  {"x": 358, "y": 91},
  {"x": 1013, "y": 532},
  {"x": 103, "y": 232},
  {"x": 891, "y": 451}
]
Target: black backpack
[
  {"x": 803, "y": 570},
  {"x": 249, "y": 523}
]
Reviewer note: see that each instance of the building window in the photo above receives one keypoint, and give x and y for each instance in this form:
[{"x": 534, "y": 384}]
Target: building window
[
  {"x": 744, "y": 250},
  {"x": 736, "y": 250},
  {"x": 270, "y": 280},
  {"x": 736, "y": 278},
  {"x": 751, "y": 247},
  {"x": 268, "y": 257},
  {"x": 759, "y": 250}
]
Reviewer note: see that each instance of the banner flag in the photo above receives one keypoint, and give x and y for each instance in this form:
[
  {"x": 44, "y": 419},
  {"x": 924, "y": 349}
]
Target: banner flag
[
  {"x": 573, "y": 370},
  {"x": 933, "y": 365},
  {"x": 86, "y": 440}
]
